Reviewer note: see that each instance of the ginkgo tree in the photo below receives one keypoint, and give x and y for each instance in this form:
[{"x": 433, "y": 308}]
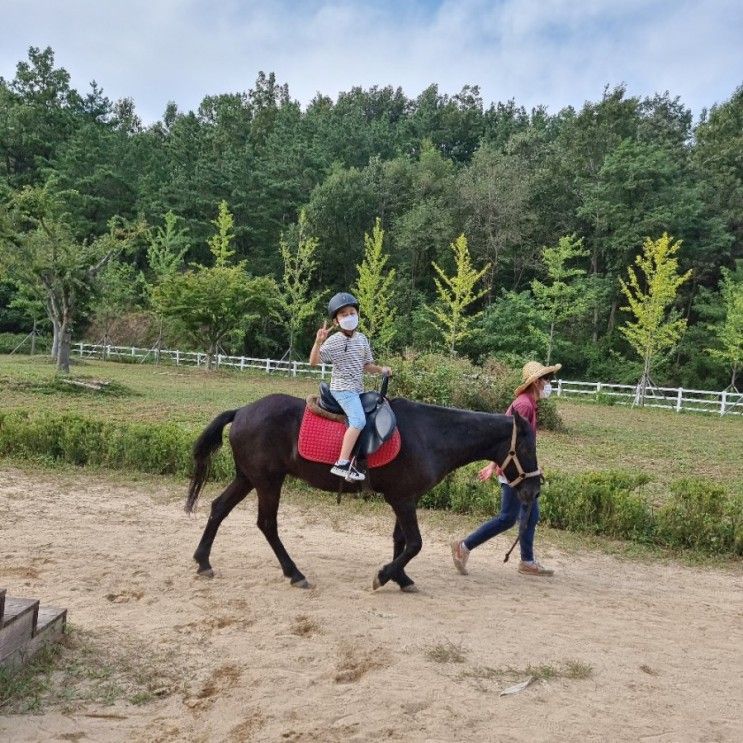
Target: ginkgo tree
[
  {"x": 456, "y": 294},
  {"x": 373, "y": 289},
  {"x": 650, "y": 291},
  {"x": 566, "y": 294},
  {"x": 298, "y": 253},
  {"x": 730, "y": 332}
]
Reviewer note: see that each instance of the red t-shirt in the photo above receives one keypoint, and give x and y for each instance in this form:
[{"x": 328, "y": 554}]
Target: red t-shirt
[{"x": 526, "y": 407}]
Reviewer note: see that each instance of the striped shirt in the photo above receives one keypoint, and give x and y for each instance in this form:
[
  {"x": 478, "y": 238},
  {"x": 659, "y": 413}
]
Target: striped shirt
[{"x": 348, "y": 357}]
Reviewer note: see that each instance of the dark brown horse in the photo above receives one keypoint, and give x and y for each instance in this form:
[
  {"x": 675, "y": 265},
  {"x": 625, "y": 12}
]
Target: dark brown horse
[{"x": 435, "y": 441}]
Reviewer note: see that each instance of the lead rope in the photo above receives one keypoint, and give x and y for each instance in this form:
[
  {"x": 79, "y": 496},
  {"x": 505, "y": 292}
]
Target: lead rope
[{"x": 522, "y": 528}]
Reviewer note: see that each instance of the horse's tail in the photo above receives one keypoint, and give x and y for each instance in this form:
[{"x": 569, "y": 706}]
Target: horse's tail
[{"x": 209, "y": 442}]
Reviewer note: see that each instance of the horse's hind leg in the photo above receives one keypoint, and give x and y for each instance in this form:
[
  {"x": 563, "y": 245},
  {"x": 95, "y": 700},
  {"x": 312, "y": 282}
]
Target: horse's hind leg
[
  {"x": 221, "y": 507},
  {"x": 268, "y": 508}
]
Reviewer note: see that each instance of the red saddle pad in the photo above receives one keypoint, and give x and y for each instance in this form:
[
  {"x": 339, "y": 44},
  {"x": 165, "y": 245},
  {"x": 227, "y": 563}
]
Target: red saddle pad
[{"x": 320, "y": 440}]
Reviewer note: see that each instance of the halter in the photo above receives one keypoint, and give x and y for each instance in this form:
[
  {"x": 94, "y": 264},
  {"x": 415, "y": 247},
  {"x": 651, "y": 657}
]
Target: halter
[{"x": 513, "y": 457}]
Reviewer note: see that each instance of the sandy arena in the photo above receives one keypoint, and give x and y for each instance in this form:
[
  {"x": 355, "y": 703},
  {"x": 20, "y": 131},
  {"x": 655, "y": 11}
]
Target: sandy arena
[{"x": 246, "y": 657}]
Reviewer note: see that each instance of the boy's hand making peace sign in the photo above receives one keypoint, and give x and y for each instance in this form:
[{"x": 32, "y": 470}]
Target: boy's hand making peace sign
[{"x": 322, "y": 333}]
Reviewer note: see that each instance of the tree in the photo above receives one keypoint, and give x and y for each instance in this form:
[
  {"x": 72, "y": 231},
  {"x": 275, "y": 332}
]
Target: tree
[
  {"x": 566, "y": 296},
  {"x": 166, "y": 247},
  {"x": 730, "y": 331},
  {"x": 44, "y": 255},
  {"x": 37, "y": 111},
  {"x": 216, "y": 304},
  {"x": 299, "y": 265},
  {"x": 456, "y": 294},
  {"x": 118, "y": 289},
  {"x": 494, "y": 195},
  {"x": 653, "y": 330},
  {"x": 373, "y": 289},
  {"x": 719, "y": 142}
]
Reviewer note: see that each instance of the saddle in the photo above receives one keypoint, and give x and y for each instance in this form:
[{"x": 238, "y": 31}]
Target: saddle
[{"x": 380, "y": 418}]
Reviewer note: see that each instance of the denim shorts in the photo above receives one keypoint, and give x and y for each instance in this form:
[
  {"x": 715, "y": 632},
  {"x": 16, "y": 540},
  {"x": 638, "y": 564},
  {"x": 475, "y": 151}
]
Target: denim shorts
[{"x": 351, "y": 404}]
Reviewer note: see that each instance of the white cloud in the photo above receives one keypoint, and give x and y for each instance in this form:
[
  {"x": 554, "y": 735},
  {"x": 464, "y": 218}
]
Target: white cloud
[{"x": 553, "y": 52}]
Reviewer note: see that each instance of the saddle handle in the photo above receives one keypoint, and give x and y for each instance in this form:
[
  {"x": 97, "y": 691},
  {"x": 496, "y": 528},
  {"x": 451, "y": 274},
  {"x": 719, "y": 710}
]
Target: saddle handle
[{"x": 385, "y": 382}]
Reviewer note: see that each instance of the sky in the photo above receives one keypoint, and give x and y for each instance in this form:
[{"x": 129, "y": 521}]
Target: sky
[{"x": 538, "y": 52}]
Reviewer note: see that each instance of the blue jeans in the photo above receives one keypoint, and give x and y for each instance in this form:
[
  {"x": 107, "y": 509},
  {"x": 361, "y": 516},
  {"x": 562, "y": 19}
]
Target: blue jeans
[
  {"x": 351, "y": 404},
  {"x": 511, "y": 511}
]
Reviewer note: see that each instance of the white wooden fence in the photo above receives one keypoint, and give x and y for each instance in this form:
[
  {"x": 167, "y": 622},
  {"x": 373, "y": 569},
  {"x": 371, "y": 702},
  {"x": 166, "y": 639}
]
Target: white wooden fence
[
  {"x": 674, "y": 398},
  {"x": 196, "y": 358}
]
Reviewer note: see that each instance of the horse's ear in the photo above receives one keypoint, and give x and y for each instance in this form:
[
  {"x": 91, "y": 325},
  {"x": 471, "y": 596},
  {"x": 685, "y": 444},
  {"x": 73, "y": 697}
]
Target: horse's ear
[{"x": 520, "y": 420}]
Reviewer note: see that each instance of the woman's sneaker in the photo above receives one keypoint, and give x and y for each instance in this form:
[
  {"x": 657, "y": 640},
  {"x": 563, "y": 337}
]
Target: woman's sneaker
[
  {"x": 460, "y": 554},
  {"x": 348, "y": 472},
  {"x": 534, "y": 568}
]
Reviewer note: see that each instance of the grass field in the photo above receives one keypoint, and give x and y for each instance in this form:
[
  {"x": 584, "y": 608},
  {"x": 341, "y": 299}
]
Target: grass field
[{"x": 662, "y": 444}]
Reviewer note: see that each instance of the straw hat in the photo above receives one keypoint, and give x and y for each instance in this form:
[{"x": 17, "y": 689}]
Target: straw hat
[{"x": 532, "y": 371}]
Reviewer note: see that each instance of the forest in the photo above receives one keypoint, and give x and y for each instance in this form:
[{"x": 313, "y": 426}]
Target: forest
[{"x": 475, "y": 229}]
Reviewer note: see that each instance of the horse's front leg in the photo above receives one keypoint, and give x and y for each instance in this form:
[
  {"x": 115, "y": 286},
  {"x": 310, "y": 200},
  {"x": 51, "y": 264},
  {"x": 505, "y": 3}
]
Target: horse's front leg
[
  {"x": 221, "y": 507},
  {"x": 402, "y": 579},
  {"x": 408, "y": 543},
  {"x": 268, "y": 508}
]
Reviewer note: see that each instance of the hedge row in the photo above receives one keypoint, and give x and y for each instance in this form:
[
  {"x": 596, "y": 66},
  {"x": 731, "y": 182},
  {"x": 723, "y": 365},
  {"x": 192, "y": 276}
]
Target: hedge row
[
  {"x": 159, "y": 448},
  {"x": 697, "y": 514}
]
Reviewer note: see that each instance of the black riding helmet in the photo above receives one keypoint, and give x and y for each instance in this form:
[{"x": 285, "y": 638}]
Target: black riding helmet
[{"x": 339, "y": 301}]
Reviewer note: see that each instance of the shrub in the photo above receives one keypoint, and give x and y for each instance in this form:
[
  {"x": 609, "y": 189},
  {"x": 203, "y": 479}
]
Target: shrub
[
  {"x": 10, "y": 341},
  {"x": 461, "y": 492},
  {"x": 598, "y": 503},
  {"x": 701, "y": 515},
  {"x": 159, "y": 448},
  {"x": 456, "y": 382}
]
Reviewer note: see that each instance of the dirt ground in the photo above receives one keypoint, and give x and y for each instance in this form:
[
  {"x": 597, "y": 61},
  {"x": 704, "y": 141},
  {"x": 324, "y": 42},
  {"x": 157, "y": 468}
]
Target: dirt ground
[{"x": 625, "y": 650}]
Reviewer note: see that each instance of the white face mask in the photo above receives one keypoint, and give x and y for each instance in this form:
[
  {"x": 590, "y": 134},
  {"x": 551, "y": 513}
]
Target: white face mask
[
  {"x": 546, "y": 390},
  {"x": 349, "y": 322}
]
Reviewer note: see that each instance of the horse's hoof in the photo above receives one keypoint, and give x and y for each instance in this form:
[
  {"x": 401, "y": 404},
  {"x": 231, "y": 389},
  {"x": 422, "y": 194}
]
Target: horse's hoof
[
  {"x": 412, "y": 588},
  {"x": 206, "y": 573},
  {"x": 376, "y": 583},
  {"x": 303, "y": 583}
]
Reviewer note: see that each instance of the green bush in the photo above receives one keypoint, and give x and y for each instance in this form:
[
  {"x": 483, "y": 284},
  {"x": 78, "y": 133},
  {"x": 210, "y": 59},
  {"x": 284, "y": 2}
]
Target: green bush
[
  {"x": 456, "y": 382},
  {"x": 701, "y": 515},
  {"x": 10, "y": 341},
  {"x": 599, "y": 503},
  {"x": 159, "y": 448},
  {"x": 461, "y": 492}
]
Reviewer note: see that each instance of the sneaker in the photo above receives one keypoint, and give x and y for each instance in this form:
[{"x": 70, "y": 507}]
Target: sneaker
[
  {"x": 534, "y": 568},
  {"x": 347, "y": 471},
  {"x": 460, "y": 554}
]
